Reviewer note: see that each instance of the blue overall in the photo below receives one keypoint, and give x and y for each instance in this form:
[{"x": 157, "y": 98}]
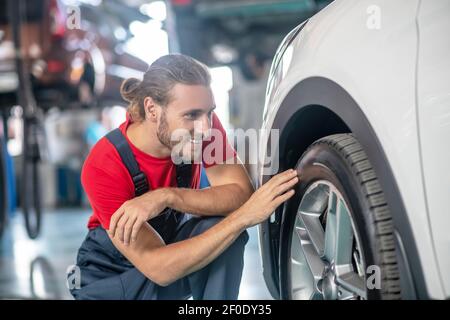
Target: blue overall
[{"x": 106, "y": 274}]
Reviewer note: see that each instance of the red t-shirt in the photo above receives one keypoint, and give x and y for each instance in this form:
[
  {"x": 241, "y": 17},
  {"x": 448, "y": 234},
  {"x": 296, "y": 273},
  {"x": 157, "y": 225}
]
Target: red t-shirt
[{"x": 108, "y": 184}]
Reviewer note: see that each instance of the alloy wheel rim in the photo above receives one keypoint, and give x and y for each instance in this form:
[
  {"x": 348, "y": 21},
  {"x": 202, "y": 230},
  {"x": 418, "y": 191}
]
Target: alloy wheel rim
[{"x": 325, "y": 257}]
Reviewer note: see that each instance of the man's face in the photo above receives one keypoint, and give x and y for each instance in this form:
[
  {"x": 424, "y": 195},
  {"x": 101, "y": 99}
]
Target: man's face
[{"x": 191, "y": 110}]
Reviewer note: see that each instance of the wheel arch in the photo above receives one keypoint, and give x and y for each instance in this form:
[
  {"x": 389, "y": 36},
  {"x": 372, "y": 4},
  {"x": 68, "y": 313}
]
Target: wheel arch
[{"x": 317, "y": 107}]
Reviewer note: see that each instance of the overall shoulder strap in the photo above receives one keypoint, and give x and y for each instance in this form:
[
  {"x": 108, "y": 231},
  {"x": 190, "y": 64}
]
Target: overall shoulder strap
[
  {"x": 118, "y": 140},
  {"x": 184, "y": 175}
]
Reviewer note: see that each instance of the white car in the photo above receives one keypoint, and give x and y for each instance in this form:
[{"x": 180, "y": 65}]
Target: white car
[{"x": 360, "y": 94}]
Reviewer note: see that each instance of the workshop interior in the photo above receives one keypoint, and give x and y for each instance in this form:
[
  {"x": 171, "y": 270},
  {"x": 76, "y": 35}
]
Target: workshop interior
[{"x": 352, "y": 94}]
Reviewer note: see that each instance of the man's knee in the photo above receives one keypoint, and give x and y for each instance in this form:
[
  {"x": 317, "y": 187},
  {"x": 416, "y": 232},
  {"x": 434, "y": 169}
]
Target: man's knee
[
  {"x": 241, "y": 240},
  {"x": 243, "y": 237}
]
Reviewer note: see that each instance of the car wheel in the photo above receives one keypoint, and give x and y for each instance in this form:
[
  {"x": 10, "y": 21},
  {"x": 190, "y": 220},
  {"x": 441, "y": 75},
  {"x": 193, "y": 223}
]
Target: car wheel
[
  {"x": 337, "y": 238},
  {"x": 31, "y": 180}
]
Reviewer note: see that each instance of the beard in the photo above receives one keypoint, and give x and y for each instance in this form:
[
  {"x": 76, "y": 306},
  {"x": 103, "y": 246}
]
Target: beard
[
  {"x": 163, "y": 133},
  {"x": 183, "y": 148}
]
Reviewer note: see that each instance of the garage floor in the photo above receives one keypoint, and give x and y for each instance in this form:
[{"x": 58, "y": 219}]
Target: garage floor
[{"x": 35, "y": 269}]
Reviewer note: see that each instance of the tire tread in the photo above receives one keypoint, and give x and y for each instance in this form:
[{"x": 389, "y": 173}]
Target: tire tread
[{"x": 351, "y": 150}]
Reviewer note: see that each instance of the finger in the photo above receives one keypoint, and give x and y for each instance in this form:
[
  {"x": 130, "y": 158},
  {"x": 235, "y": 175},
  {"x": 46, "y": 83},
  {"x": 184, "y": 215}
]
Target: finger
[
  {"x": 287, "y": 175},
  {"x": 286, "y": 186},
  {"x": 284, "y": 197},
  {"x": 121, "y": 225},
  {"x": 283, "y": 177},
  {"x": 136, "y": 228},
  {"x": 114, "y": 219},
  {"x": 127, "y": 230},
  {"x": 279, "y": 179}
]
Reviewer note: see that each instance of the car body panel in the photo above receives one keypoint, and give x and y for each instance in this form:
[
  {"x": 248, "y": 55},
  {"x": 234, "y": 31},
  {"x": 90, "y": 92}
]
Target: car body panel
[
  {"x": 434, "y": 123},
  {"x": 337, "y": 44}
]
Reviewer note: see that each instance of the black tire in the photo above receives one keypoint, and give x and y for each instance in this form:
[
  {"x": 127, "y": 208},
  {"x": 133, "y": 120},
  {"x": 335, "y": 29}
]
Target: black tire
[
  {"x": 341, "y": 160},
  {"x": 31, "y": 192},
  {"x": 32, "y": 199},
  {"x": 43, "y": 268}
]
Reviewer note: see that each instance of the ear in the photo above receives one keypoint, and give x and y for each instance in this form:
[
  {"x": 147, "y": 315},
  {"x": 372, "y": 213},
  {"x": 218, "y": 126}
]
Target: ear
[{"x": 150, "y": 109}]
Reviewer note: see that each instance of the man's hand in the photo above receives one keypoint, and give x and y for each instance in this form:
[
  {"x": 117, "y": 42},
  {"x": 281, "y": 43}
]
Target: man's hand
[
  {"x": 230, "y": 188},
  {"x": 128, "y": 219},
  {"x": 268, "y": 197}
]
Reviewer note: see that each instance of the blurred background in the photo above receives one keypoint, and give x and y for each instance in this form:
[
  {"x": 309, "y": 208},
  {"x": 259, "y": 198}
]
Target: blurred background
[{"x": 61, "y": 66}]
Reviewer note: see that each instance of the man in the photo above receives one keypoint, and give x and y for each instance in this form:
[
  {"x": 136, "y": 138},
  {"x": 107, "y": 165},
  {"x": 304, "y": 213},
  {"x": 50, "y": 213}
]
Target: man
[{"x": 200, "y": 257}]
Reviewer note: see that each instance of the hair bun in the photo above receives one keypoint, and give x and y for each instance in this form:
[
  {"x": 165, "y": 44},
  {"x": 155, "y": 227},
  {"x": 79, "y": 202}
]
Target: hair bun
[{"x": 129, "y": 89}]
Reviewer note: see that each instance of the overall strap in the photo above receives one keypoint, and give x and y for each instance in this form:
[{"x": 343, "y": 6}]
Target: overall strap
[
  {"x": 141, "y": 186},
  {"x": 184, "y": 175},
  {"x": 139, "y": 178}
]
